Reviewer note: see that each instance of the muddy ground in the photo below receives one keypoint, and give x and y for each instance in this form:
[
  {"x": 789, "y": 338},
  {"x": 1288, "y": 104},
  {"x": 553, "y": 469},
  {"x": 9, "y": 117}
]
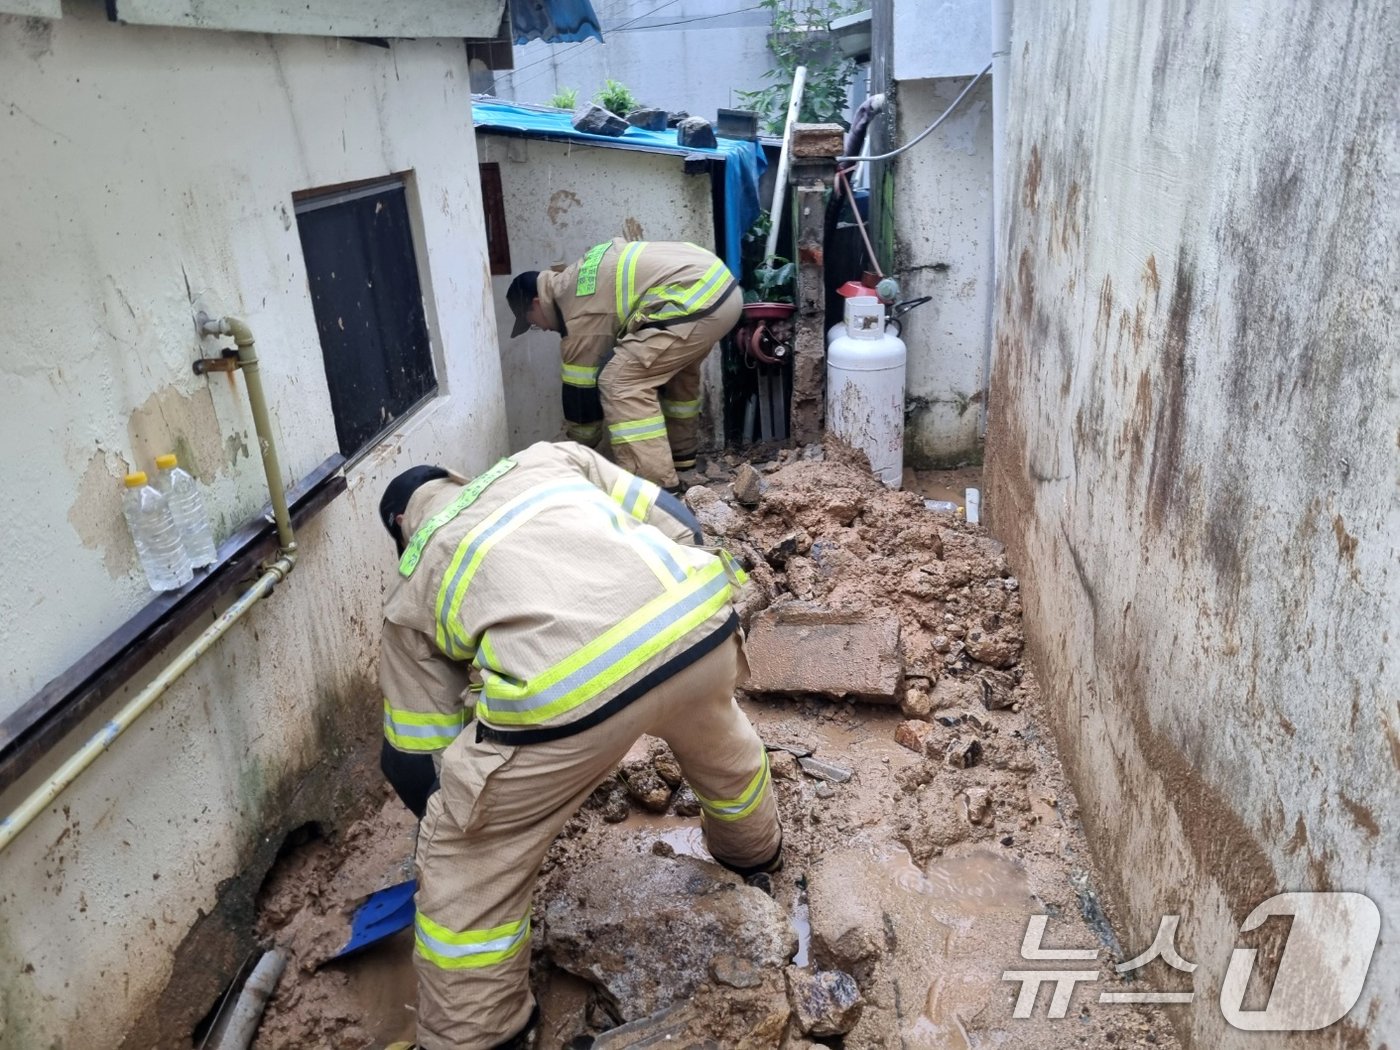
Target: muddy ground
[{"x": 914, "y": 877}]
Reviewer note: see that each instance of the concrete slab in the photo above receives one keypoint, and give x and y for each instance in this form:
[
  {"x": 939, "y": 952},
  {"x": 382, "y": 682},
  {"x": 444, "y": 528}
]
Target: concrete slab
[{"x": 804, "y": 648}]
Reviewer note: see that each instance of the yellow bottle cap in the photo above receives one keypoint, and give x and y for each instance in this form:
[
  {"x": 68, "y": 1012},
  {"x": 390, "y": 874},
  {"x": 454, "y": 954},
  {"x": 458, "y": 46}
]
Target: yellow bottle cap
[
  {"x": 136, "y": 479},
  {"x": 166, "y": 461}
]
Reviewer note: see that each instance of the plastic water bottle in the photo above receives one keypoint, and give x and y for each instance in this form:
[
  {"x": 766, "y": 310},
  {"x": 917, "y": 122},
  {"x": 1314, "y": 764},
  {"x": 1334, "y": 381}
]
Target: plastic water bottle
[
  {"x": 156, "y": 535},
  {"x": 187, "y": 507}
]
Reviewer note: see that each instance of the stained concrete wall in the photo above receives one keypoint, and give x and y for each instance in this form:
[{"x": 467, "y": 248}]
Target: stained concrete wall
[
  {"x": 1193, "y": 456},
  {"x": 142, "y": 168},
  {"x": 560, "y": 200},
  {"x": 694, "y": 55},
  {"x": 943, "y": 248},
  {"x": 940, "y": 38}
]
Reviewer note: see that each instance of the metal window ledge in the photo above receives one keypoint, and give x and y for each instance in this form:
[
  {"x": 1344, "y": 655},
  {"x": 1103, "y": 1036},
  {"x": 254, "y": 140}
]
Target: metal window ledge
[{"x": 28, "y": 733}]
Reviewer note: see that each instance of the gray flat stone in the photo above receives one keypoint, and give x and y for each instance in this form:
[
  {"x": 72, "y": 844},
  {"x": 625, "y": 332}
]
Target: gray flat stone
[
  {"x": 648, "y": 119},
  {"x": 802, "y": 648}
]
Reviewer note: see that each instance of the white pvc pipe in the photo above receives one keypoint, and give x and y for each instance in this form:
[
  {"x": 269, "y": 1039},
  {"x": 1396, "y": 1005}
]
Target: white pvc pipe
[
  {"x": 775, "y": 213},
  {"x": 247, "y": 1014},
  {"x": 1001, "y": 69}
]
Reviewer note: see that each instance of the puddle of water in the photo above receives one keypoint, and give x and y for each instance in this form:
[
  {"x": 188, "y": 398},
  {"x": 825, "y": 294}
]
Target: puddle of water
[
  {"x": 682, "y": 834},
  {"x": 948, "y": 485},
  {"x": 802, "y": 923},
  {"x": 687, "y": 842},
  {"x": 966, "y": 886}
]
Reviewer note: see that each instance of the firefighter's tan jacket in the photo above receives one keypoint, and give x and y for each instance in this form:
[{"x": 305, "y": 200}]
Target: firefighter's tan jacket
[
  {"x": 556, "y": 577},
  {"x": 620, "y": 287}
]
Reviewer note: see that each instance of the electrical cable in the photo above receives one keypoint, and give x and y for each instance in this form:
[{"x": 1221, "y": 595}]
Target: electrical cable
[
  {"x": 573, "y": 47},
  {"x": 927, "y": 131},
  {"x": 687, "y": 21}
]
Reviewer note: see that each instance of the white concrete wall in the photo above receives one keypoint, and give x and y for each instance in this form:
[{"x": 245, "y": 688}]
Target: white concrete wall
[
  {"x": 943, "y": 248},
  {"x": 1195, "y": 458},
  {"x": 694, "y": 55},
  {"x": 560, "y": 200},
  {"x": 139, "y": 167},
  {"x": 940, "y": 38}
]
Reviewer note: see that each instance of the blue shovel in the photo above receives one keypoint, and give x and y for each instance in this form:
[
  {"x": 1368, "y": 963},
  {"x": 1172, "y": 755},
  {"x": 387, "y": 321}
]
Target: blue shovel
[{"x": 383, "y": 914}]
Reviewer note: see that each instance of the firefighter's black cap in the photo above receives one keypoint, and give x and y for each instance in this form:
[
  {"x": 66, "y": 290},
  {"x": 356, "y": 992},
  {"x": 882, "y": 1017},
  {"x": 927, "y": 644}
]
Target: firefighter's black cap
[{"x": 399, "y": 491}]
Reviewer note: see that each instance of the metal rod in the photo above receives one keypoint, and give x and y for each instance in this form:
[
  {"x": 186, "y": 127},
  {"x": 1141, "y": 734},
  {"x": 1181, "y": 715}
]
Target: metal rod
[
  {"x": 799, "y": 81},
  {"x": 100, "y": 741},
  {"x": 845, "y": 184}
]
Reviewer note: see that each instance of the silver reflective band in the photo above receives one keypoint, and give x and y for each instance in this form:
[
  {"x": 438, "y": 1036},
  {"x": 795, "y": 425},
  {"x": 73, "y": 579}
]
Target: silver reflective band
[{"x": 608, "y": 657}]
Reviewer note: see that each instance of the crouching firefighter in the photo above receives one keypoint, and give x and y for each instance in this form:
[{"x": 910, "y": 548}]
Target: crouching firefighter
[
  {"x": 577, "y": 592},
  {"x": 637, "y": 319}
]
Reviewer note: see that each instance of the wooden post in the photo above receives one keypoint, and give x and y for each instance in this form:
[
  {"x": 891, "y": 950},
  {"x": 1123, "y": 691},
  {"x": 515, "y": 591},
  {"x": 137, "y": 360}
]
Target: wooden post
[{"x": 815, "y": 148}]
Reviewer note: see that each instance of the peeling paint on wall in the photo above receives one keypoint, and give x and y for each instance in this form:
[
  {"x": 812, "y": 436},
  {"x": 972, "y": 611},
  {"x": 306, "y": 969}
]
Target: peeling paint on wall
[
  {"x": 96, "y": 513},
  {"x": 171, "y": 420}
]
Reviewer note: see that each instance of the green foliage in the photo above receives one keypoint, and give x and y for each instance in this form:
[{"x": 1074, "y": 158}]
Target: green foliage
[
  {"x": 801, "y": 36},
  {"x": 773, "y": 280},
  {"x": 766, "y": 280},
  {"x": 564, "y": 98},
  {"x": 617, "y": 97}
]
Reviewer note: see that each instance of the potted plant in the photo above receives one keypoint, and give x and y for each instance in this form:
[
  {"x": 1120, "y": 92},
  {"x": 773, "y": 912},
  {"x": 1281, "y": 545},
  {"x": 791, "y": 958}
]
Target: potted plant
[{"x": 770, "y": 291}]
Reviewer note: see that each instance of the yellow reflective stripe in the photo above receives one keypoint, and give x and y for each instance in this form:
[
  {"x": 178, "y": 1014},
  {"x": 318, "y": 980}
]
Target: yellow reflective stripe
[
  {"x": 737, "y": 576},
  {"x": 608, "y": 658},
  {"x": 420, "y": 731},
  {"x": 746, "y": 803},
  {"x": 648, "y": 544},
  {"x": 680, "y": 409},
  {"x": 618, "y": 493},
  {"x": 470, "y": 949},
  {"x": 486, "y": 653},
  {"x": 580, "y": 375},
  {"x": 635, "y": 495},
  {"x": 628, "y": 431},
  {"x": 583, "y": 433},
  {"x": 414, "y": 551},
  {"x": 627, "y": 281},
  {"x": 474, "y": 547},
  {"x": 682, "y": 300}
]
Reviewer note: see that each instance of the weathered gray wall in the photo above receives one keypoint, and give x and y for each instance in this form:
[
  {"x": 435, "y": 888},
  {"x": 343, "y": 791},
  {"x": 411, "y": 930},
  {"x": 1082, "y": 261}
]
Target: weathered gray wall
[
  {"x": 943, "y": 238},
  {"x": 695, "y": 55},
  {"x": 1193, "y": 454}
]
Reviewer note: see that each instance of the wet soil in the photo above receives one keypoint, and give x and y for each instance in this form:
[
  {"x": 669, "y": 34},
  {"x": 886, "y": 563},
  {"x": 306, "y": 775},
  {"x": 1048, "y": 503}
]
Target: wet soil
[{"x": 952, "y": 845}]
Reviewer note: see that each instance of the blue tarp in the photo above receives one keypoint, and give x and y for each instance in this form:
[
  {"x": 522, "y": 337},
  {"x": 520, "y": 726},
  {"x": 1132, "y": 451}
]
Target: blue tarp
[
  {"x": 744, "y": 162},
  {"x": 553, "y": 21}
]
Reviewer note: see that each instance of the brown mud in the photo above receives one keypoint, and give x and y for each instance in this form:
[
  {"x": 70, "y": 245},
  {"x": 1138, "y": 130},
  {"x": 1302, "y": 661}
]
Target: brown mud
[{"x": 916, "y": 876}]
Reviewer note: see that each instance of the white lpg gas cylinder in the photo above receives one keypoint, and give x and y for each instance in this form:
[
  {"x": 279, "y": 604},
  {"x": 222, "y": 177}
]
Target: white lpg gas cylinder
[{"x": 865, "y": 394}]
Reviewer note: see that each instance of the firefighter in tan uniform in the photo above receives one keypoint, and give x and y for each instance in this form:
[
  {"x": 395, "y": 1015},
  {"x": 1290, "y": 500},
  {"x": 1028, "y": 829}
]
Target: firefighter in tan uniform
[
  {"x": 637, "y": 319},
  {"x": 576, "y": 592}
]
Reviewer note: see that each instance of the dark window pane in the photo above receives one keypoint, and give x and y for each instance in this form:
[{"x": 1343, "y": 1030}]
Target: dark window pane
[
  {"x": 369, "y": 309},
  {"x": 493, "y": 204}
]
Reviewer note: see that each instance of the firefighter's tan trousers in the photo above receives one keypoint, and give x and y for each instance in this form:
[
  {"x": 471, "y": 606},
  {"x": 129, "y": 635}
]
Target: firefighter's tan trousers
[
  {"x": 650, "y": 392},
  {"x": 487, "y": 830}
]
